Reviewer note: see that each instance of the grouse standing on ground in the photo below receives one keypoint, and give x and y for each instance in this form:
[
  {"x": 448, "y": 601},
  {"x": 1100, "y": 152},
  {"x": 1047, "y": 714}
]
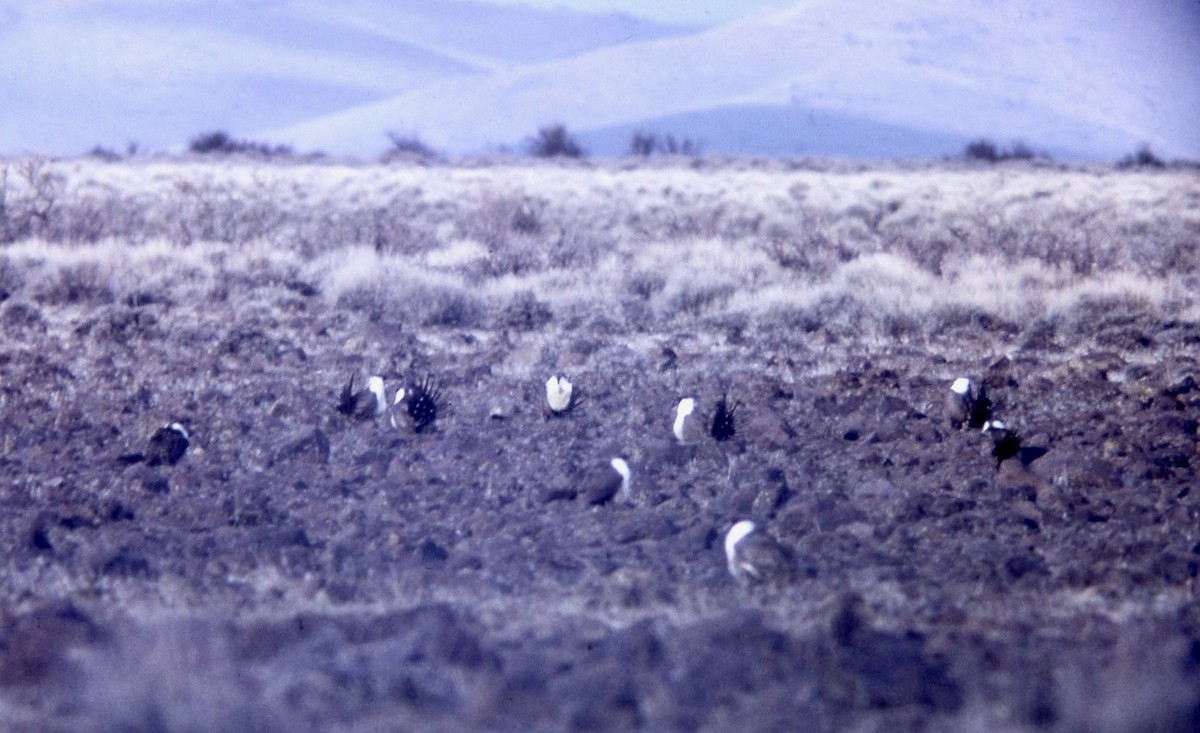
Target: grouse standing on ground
[
  {"x": 981, "y": 409},
  {"x": 166, "y": 446},
  {"x": 366, "y": 404},
  {"x": 959, "y": 401},
  {"x": 966, "y": 406},
  {"x": 724, "y": 427},
  {"x": 753, "y": 556},
  {"x": 687, "y": 426},
  {"x": 1006, "y": 444},
  {"x": 425, "y": 402},
  {"x": 561, "y": 396},
  {"x": 606, "y": 482}
]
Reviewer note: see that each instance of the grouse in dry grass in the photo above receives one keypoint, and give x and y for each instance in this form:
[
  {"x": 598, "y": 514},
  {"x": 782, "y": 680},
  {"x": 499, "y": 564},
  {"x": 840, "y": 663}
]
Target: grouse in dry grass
[
  {"x": 424, "y": 403},
  {"x": 166, "y": 446},
  {"x": 363, "y": 405}
]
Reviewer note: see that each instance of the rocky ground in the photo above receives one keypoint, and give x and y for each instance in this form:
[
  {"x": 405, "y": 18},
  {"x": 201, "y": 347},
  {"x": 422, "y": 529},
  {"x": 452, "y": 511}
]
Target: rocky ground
[{"x": 303, "y": 570}]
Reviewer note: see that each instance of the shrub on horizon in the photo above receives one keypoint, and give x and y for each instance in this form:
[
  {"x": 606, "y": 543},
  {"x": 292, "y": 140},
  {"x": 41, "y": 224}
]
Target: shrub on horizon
[
  {"x": 219, "y": 142},
  {"x": 28, "y": 197},
  {"x": 108, "y": 155},
  {"x": 553, "y": 141},
  {"x": 645, "y": 144},
  {"x": 1021, "y": 151},
  {"x": 1144, "y": 157},
  {"x": 986, "y": 151},
  {"x": 982, "y": 149},
  {"x": 407, "y": 147}
]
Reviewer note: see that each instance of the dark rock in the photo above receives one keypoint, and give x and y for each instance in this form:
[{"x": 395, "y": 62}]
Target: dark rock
[
  {"x": 142, "y": 298},
  {"x": 39, "y": 539},
  {"x": 431, "y": 552},
  {"x": 303, "y": 288},
  {"x": 1023, "y": 564},
  {"x": 1125, "y": 338},
  {"x": 1187, "y": 385}
]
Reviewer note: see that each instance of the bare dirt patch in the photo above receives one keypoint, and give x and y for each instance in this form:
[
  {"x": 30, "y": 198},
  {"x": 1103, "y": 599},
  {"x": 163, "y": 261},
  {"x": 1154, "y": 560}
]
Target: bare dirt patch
[{"x": 303, "y": 570}]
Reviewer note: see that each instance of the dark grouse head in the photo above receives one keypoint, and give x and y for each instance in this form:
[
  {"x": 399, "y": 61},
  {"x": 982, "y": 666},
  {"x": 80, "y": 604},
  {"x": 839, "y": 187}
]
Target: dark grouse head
[
  {"x": 425, "y": 401},
  {"x": 724, "y": 426}
]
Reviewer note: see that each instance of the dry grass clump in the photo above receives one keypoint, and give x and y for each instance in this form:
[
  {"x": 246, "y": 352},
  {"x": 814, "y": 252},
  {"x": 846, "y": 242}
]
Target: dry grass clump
[
  {"x": 209, "y": 212},
  {"x": 700, "y": 275},
  {"x": 396, "y": 226},
  {"x": 518, "y": 236},
  {"x": 114, "y": 271},
  {"x": 11, "y": 277},
  {"x": 847, "y": 251},
  {"x": 394, "y": 289},
  {"x": 61, "y": 275},
  {"x": 524, "y": 312},
  {"x": 805, "y": 247},
  {"x": 887, "y": 294},
  {"x": 30, "y": 191}
]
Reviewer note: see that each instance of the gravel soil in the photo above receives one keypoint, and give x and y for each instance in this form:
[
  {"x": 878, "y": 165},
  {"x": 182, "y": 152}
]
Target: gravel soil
[{"x": 303, "y": 570}]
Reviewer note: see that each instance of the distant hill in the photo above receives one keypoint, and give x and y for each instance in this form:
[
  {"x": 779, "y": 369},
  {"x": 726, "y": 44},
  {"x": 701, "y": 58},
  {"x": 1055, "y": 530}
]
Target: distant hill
[
  {"x": 840, "y": 77},
  {"x": 115, "y": 71},
  {"x": 1080, "y": 79}
]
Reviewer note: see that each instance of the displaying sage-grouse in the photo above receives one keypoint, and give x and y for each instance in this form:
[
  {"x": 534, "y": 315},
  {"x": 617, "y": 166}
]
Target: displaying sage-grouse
[
  {"x": 424, "y": 402},
  {"x": 561, "y": 395},
  {"x": 966, "y": 407},
  {"x": 688, "y": 428},
  {"x": 166, "y": 446},
  {"x": 1006, "y": 444},
  {"x": 981, "y": 409},
  {"x": 724, "y": 426},
  {"x": 366, "y": 404},
  {"x": 958, "y": 402}
]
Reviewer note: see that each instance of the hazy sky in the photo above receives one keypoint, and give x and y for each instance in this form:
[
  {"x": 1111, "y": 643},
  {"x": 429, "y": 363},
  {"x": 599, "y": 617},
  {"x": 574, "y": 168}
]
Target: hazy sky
[{"x": 704, "y": 12}]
